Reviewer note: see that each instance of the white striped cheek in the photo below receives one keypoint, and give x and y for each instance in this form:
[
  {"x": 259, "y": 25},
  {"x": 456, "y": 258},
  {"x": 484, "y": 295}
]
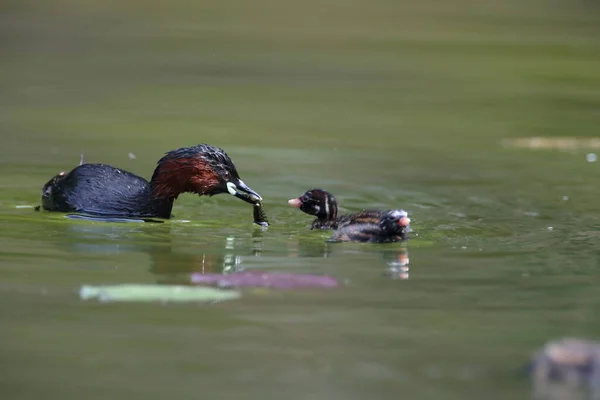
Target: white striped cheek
[{"x": 231, "y": 188}]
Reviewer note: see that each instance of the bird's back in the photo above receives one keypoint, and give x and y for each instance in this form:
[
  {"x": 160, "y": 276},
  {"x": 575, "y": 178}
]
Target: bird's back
[{"x": 100, "y": 189}]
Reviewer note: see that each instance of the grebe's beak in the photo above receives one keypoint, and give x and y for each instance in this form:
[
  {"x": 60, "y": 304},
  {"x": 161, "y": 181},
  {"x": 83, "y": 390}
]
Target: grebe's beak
[{"x": 241, "y": 191}]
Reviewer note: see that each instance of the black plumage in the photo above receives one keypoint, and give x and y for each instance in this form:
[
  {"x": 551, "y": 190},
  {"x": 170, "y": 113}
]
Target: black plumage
[{"x": 100, "y": 189}]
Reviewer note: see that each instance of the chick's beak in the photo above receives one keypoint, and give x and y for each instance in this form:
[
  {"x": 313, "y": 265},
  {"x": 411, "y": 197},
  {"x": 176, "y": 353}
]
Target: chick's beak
[
  {"x": 295, "y": 202},
  {"x": 241, "y": 191}
]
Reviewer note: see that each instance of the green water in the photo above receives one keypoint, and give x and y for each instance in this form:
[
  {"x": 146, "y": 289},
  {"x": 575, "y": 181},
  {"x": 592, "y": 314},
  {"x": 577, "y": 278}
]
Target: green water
[{"x": 386, "y": 104}]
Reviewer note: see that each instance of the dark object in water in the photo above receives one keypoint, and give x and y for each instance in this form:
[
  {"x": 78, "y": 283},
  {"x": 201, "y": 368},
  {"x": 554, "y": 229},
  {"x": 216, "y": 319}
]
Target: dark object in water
[
  {"x": 566, "y": 364},
  {"x": 260, "y": 217},
  {"x": 278, "y": 280},
  {"x": 103, "y": 190},
  {"x": 365, "y": 226}
]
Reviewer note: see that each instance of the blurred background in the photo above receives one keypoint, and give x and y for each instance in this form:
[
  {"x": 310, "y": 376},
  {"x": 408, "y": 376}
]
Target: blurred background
[
  {"x": 312, "y": 75},
  {"x": 430, "y": 106}
]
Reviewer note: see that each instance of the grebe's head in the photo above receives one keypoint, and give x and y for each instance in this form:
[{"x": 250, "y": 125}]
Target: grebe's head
[
  {"x": 395, "y": 222},
  {"x": 317, "y": 202},
  {"x": 201, "y": 169}
]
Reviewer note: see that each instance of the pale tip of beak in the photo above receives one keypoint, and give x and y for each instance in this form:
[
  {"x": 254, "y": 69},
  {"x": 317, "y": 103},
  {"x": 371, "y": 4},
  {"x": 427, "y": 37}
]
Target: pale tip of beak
[{"x": 295, "y": 202}]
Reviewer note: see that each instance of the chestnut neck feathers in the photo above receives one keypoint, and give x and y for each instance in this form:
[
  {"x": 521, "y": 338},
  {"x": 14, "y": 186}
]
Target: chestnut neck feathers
[{"x": 201, "y": 169}]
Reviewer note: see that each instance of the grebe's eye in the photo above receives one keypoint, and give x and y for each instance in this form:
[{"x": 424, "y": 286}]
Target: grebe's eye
[{"x": 226, "y": 175}]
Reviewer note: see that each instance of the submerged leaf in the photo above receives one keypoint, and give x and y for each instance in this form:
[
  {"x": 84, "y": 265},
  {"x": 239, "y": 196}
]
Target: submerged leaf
[
  {"x": 162, "y": 293},
  {"x": 279, "y": 280}
]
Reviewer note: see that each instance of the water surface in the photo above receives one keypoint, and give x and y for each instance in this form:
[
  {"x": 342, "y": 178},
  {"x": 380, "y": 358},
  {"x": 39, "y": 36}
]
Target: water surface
[{"x": 385, "y": 104}]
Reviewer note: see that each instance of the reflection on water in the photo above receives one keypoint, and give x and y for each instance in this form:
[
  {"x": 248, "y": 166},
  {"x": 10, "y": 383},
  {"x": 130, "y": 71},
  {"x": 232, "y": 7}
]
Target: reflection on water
[
  {"x": 397, "y": 262},
  {"x": 112, "y": 219},
  {"x": 103, "y": 237},
  {"x": 173, "y": 257}
]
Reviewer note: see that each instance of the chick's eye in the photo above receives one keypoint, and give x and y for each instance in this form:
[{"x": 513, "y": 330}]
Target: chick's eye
[{"x": 304, "y": 199}]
